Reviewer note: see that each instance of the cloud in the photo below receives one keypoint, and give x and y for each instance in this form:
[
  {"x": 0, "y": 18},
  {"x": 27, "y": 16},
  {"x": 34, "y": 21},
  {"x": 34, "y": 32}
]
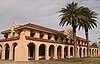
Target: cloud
[{"x": 41, "y": 12}]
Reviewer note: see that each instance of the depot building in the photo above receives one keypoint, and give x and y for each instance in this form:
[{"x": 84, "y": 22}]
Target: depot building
[{"x": 34, "y": 42}]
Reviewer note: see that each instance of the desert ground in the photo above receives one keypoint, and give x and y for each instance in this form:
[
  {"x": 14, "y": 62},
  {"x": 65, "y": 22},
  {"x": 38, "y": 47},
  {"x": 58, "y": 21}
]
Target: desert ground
[{"x": 60, "y": 61}]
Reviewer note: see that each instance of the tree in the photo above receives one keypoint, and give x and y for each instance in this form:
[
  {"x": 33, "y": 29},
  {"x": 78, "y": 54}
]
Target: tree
[
  {"x": 89, "y": 21},
  {"x": 71, "y": 15},
  {"x": 94, "y": 44}
]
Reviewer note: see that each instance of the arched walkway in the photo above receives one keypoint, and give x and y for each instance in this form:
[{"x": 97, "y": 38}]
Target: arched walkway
[
  {"x": 7, "y": 49},
  {"x": 14, "y": 45},
  {"x": 59, "y": 52},
  {"x": 0, "y": 51},
  {"x": 71, "y": 51},
  {"x": 84, "y": 52},
  {"x": 42, "y": 48},
  {"x": 51, "y": 51},
  {"x": 65, "y": 52},
  {"x": 80, "y": 52},
  {"x": 31, "y": 51}
]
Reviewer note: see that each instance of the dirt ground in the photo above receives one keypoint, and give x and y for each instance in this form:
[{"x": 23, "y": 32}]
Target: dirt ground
[{"x": 61, "y": 61}]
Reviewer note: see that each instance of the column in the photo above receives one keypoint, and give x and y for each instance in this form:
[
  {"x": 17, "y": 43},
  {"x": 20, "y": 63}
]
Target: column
[
  {"x": 46, "y": 53},
  {"x": 62, "y": 52},
  {"x": 82, "y": 53},
  {"x": 86, "y": 52},
  {"x": 68, "y": 51},
  {"x": 55, "y": 52},
  {"x": 10, "y": 54},
  {"x": 3, "y": 53},
  {"x": 37, "y": 53}
]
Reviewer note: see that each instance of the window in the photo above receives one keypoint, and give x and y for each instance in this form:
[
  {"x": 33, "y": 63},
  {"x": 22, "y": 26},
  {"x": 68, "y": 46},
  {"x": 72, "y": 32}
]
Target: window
[
  {"x": 49, "y": 36},
  {"x": 32, "y": 33},
  {"x": 56, "y": 37},
  {"x": 66, "y": 39},
  {"x": 13, "y": 34},
  {"x": 41, "y": 35},
  {"x": 71, "y": 40},
  {"x": 78, "y": 42},
  {"x": 6, "y": 35},
  {"x": 62, "y": 39}
]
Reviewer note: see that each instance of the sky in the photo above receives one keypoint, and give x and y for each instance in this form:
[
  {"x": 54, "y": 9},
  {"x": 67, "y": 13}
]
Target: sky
[{"x": 44, "y": 13}]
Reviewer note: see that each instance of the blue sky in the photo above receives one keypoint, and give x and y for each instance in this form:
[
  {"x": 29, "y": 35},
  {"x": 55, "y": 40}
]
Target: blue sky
[{"x": 44, "y": 13}]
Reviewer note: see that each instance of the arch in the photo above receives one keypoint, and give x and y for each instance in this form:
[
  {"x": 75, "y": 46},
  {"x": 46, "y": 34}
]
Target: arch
[
  {"x": 13, "y": 46},
  {"x": 42, "y": 49},
  {"x": 7, "y": 49},
  {"x": 71, "y": 51},
  {"x": 84, "y": 52},
  {"x": 0, "y": 51},
  {"x": 80, "y": 52},
  {"x": 51, "y": 51},
  {"x": 31, "y": 51},
  {"x": 93, "y": 52},
  {"x": 65, "y": 52},
  {"x": 59, "y": 52},
  {"x": 90, "y": 52}
]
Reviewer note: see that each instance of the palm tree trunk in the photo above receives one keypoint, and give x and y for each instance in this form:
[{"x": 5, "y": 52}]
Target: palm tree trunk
[
  {"x": 75, "y": 43},
  {"x": 87, "y": 41}
]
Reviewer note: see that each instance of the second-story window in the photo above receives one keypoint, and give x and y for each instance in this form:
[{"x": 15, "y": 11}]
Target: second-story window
[
  {"x": 13, "y": 34},
  {"x": 66, "y": 39},
  {"x": 6, "y": 36},
  {"x": 62, "y": 38},
  {"x": 32, "y": 33},
  {"x": 56, "y": 37},
  {"x": 49, "y": 36},
  {"x": 71, "y": 40},
  {"x": 78, "y": 42},
  {"x": 41, "y": 34}
]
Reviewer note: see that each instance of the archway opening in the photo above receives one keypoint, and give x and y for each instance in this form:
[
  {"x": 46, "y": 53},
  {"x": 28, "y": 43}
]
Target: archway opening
[
  {"x": 84, "y": 52},
  {"x": 92, "y": 52},
  {"x": 31, "y": 51},
  {"x": 59, "y": 52},
  {"x": 14, "y": 45},
  {"x": 0, "y": 51},
  {"x": 42, "y": 51},
  {"x": 71, "y": 51},
  {"x": 80, "y": 52},
  {"x": 51, "y": 51},
  {"x": 65, "y": 52},
  {"x": 7, "y": 49},
  {"x": 95, "y": 52}
]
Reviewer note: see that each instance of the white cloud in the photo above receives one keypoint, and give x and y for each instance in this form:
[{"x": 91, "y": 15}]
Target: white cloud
[{"x": 42, "y": 12}]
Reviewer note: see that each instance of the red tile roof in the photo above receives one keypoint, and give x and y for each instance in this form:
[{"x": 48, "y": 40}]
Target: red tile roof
[
  {"x": 40, "y": 28},
  {"x": 10, "y": 39}
]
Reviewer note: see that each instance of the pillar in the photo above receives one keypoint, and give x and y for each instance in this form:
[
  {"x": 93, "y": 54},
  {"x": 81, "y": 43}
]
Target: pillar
[
  {"x": 46, "y": 53},
  {"x": 82, "y": 52},
  {"x": 68, "y": 51},
  {"x": 37, "y": 53},
  {"x": 3, "y": 53},
  {"x": 11, "y": 54},
  {"x": 62, "y": 52},
  {"x": 55, "y": 52}
]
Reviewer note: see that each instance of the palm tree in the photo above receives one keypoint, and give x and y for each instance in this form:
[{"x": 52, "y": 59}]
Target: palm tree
[
  {"x": 70, "y": 15},
  {"x": 89, "y": 21}
]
